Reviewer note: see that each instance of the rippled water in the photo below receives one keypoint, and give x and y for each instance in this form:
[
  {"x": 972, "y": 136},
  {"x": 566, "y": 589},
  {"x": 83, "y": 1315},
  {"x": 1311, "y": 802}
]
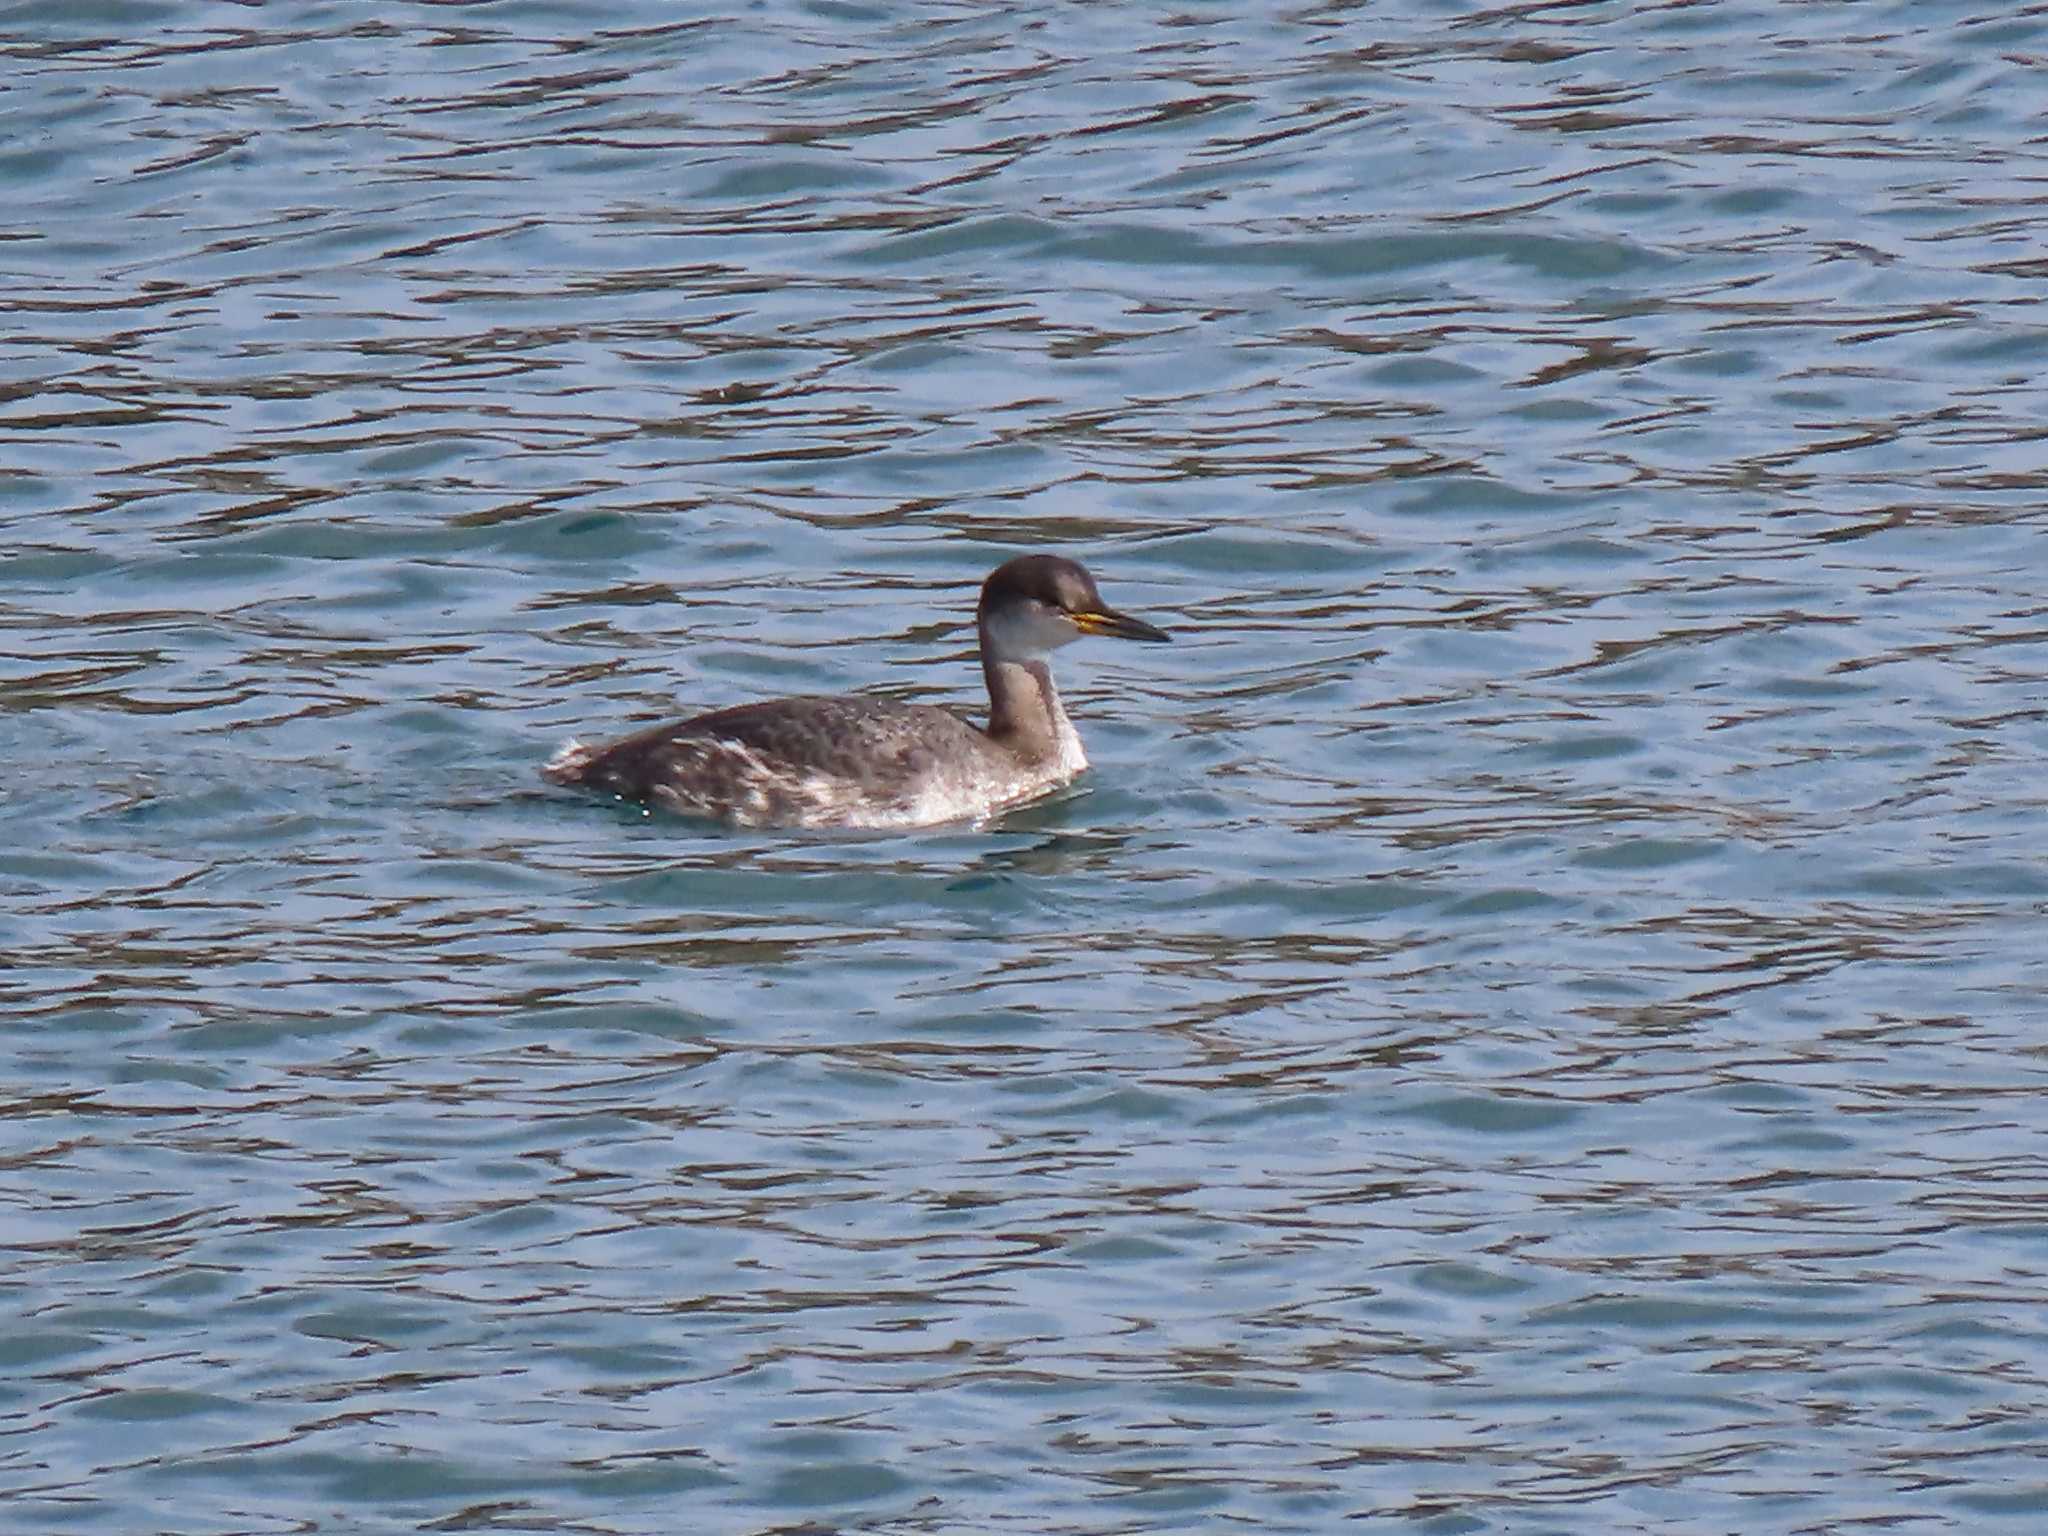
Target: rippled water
[{"x": 1534, "y": 1023}]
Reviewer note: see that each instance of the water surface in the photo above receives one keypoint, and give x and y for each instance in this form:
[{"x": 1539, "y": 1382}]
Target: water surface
[{"x": 1534, "y": 1023}]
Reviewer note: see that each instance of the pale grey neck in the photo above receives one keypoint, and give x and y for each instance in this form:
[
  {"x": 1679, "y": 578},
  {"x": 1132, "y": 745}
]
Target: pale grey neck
[{"x": 1024, "y": 712}]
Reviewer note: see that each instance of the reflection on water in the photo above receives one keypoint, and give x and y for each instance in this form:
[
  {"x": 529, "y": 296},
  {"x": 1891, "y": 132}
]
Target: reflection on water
[{"x": 1532, "y": 1024}]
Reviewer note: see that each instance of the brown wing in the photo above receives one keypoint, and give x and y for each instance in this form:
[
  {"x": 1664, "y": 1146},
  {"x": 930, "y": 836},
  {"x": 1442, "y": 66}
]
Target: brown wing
[{"x": 804, "y": 759}]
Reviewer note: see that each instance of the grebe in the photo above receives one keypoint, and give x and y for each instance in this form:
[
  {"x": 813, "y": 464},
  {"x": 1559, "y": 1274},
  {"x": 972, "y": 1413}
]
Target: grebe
[{"x": 848, "y": 762}]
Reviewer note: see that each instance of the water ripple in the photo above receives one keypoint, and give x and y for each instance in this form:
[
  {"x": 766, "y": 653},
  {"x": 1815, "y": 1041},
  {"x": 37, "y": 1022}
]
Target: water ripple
[{"x": 1531, "y": 1023}]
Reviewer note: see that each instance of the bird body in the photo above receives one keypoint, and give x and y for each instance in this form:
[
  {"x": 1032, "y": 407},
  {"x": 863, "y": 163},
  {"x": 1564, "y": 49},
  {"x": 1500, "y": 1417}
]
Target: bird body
[{"x": 850, "y": 762}]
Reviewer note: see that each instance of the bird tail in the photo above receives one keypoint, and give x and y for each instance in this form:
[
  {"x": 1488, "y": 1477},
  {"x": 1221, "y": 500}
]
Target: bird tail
[{"x": 567, "y": 765}]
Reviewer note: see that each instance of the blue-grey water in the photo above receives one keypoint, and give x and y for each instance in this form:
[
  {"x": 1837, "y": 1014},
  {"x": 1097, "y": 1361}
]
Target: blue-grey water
[{"x": 1535, "y": 1022}]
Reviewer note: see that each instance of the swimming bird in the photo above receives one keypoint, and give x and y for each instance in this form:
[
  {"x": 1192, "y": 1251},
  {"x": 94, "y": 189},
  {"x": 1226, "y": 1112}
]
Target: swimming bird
[{"x": 851, "y": 762}]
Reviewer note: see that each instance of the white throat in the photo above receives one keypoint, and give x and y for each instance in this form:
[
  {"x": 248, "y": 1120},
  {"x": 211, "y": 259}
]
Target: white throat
[{"x": 1026, "y": 633}]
